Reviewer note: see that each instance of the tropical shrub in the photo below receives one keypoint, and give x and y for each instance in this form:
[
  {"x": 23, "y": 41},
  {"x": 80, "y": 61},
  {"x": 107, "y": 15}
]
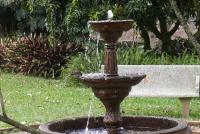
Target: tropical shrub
[
  {"x": 37, "y": 57},
  {"x": 2, "y": 54}
]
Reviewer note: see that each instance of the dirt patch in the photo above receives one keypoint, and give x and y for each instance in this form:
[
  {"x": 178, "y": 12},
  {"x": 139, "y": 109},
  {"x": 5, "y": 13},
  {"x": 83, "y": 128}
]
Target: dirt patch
[
  {"x": 195, "y": 129},
  {"x": 195, "y": 126}
]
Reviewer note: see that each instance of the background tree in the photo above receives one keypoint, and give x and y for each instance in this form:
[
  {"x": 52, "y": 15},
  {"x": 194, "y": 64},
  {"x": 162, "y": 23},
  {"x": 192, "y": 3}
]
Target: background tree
[
  {"x": 7, "y": 17},
  {"x": 154, "y": 16},
  {"x": 66, "y": 21},
  {"x": 194, "y": 11}
]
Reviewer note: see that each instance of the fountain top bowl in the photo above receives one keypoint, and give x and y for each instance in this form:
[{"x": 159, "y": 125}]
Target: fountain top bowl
[
  {"x": 111, "y": 30},
  {"x": 109, "y": 25},
  {"x": 110, "y": 21}
]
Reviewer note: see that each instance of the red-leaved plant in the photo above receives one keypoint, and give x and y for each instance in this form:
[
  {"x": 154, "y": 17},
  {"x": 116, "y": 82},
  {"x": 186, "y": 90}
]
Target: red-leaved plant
[{"x": 36, "y": 56}]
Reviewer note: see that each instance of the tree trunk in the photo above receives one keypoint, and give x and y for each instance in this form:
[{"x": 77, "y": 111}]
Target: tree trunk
[
  {"x": 183, "y": 22},
  {"x": 4, "y": 118},
  {"x": 197, "y": 8},
  {"x": 145, "y": 36},
  {"x": 166, "y": 44},
  {"x": 197, "y": 34},
  {"x": 20, "y": 126}
]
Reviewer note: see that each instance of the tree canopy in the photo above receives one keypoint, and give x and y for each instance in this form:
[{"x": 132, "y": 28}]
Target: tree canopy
[{"x": 66, "y": 20}]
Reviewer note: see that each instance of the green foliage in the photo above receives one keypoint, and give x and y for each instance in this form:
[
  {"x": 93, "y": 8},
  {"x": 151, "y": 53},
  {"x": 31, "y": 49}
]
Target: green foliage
[
  {"x": 79, "y": 63},
  {"x": 6, "y": 2},
  {"x": 148, "y": 12},
  {"x": 31, "y": 16},
  {"x": 158, "y": 17},
  {"x": 83, "y": 64},
  {"x": 137, "y": 56},
  {"x": 129, "y": 56},
  {"x": 88, "y": 63},
  {"x": 64, "y": 20},
  {"x": 7, "y": 18}
]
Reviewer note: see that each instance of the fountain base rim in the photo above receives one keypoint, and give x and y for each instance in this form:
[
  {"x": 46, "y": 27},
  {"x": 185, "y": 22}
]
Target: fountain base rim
[{"x": 170, "y": 125}]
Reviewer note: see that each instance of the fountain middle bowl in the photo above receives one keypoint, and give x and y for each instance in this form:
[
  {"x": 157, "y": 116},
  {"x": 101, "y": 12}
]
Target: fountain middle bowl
[
  {"x": 110, "y": 25},
  {"x": 101, "y": 80},
  {"x": 131, "y": 125},
  {"x": 115, "y": 87}
]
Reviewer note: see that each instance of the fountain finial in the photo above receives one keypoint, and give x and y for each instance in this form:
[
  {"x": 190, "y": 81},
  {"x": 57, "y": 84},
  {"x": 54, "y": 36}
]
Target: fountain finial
[{"x": 110, "y": 15}]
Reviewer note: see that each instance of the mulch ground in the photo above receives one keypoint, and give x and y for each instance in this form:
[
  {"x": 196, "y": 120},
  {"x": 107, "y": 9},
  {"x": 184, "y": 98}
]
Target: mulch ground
[{"x": 195, "y": 129}]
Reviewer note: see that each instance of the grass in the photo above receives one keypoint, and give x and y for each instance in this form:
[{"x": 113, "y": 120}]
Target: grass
[{"x": 33, "y": 100}]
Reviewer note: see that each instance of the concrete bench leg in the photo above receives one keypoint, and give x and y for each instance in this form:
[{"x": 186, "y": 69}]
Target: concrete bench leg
[{"x": 186, "y": 106}]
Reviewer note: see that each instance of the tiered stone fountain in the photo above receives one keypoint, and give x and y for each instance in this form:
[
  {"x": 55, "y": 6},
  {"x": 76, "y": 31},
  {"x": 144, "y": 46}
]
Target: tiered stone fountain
[{"x": 111, "y": 89}]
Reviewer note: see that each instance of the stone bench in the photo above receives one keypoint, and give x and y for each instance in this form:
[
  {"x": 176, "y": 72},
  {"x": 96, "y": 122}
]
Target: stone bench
[{"x": 175, "y": 81}]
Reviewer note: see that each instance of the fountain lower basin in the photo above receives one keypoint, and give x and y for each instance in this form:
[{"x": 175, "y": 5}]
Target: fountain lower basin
[{"x": 130, "y": 125}]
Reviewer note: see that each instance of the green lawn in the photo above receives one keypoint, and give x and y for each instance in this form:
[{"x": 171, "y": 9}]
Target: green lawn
[{"x": 36, "y": 100}]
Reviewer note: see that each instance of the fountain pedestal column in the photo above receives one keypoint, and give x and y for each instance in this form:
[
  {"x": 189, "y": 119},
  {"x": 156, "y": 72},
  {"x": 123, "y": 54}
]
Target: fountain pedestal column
[
  {"x": 112, "y": 118},
  {"x": 110, "y": 62},
  {"x": 111, "y": 93}
]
